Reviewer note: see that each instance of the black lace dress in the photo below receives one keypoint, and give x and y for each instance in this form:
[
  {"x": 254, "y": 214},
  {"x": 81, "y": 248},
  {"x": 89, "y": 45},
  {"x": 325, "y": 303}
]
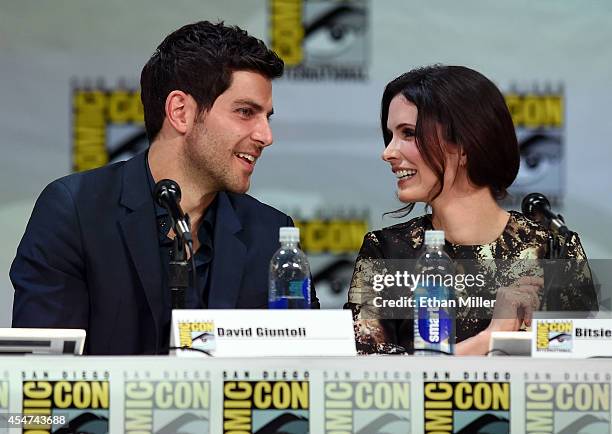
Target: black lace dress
[{"x": 516, "y": 253}]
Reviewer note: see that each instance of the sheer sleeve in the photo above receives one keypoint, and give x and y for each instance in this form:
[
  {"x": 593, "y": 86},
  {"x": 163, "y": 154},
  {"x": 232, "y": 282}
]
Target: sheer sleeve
[
  {"x": 575, "y": 282},
  {"x": 372, "y": 333}
]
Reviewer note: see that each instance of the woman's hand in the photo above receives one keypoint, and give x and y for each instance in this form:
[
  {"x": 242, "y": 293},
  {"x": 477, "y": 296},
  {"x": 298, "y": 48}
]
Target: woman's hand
[{"x": 515, "y": 304}]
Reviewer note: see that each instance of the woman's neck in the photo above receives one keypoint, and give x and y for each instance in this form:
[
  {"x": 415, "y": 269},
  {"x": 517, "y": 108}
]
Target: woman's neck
[{"x": 473, "y": 218}]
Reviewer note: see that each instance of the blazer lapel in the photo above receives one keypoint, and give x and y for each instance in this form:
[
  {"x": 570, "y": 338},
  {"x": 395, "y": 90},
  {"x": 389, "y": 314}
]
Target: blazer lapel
[
  {"x": 139, "y": 231},
  {"x": 229, "y": 258}
]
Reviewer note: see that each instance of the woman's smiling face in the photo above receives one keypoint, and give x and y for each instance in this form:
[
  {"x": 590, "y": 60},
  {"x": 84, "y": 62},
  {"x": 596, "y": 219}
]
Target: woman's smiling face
[{"x": 416, "y": 181}]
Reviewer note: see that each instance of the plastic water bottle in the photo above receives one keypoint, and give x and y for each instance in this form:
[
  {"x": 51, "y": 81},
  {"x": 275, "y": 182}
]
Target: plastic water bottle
[
  {"x": 289, "y": 273},
  {"x": 434, "y": 312}
]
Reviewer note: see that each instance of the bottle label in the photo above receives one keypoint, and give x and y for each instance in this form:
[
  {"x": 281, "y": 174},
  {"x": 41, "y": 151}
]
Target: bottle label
[
  {"x": 306, "y": 289},
  {"x": 299, "y": 288},
  {"x": 434, "y": 325},
  {"x": 294, "y": 294},
  {"x": 434, "y": 319}
]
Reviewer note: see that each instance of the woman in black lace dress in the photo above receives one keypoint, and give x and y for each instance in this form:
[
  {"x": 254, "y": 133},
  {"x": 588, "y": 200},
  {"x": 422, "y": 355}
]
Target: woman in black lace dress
[{"x": 450, "y": 141}]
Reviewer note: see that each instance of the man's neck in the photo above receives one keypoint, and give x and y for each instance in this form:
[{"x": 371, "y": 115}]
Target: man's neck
[{"x": 196, "y": 197}]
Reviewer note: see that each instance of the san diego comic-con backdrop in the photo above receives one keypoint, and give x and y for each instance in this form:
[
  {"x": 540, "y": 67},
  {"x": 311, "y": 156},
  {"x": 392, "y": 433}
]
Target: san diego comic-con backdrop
[
  {"x": 70, "y": 72},
  {"x": 325, "y": 396}
]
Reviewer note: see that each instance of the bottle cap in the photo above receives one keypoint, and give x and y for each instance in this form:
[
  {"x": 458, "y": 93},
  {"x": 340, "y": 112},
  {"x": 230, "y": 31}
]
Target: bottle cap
[
  {"x": 289, "y": 235},
  {"x": 434, "y": 238}
]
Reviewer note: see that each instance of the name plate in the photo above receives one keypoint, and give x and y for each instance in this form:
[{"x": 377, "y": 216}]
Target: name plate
[
  {"x": 262, "y": 333},
  {"x": 572, "y": 338}
]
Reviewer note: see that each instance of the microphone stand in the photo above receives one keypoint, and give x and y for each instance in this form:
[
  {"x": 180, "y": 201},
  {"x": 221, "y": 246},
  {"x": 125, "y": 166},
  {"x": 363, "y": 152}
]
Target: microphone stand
[
  {"x": 178, "y": 271},
  {"x": 556, "y": 255}
]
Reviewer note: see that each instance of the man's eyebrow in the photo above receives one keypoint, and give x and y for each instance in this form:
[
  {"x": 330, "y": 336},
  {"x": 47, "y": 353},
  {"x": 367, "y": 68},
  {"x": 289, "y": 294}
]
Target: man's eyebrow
[{"x": 255, "y": 106}]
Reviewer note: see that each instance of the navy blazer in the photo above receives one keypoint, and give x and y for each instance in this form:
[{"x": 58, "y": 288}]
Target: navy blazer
[{"x": 90, "y": 259}]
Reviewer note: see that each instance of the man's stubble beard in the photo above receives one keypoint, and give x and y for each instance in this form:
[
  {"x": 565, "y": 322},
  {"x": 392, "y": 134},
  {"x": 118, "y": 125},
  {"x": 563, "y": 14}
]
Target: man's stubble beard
[{"x": 204, "y": 162}]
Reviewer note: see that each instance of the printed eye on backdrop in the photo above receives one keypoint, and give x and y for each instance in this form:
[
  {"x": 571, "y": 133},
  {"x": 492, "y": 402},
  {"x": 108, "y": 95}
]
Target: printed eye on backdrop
[{"x": 335, "y": 32}]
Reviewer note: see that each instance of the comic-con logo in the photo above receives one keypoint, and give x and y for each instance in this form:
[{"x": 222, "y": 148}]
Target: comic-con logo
[
  {"x": 107, "y": 126},
  {"x": 321, "y": 39},
  {"x": 167, "y": 407},
  {"x": 197, "y": 334},
  {"x": 266, "y": 407},
  {"x": 336, "y": 235},
  {"x": 555, "y": 336},
  {"x": 364, "y": 407},
  {"x": 538, "y": 113},
  {"x": 4, "y": 401},
  {"x": 83, "y": 405},
  {"x": 467, "y": 407},
  {"x": 567, "y": 408},
  {"x": 4, "y": 395}
]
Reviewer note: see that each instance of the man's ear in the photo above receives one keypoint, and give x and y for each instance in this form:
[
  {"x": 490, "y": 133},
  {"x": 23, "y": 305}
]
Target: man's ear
[{"x": 181, "y": 110}]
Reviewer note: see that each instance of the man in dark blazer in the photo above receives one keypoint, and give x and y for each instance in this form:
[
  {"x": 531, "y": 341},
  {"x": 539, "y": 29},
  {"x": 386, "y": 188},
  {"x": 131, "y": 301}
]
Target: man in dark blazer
[{"x": 96, "y": 249}]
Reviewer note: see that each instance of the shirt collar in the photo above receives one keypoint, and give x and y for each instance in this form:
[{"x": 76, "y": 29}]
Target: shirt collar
[
  {"x": 210, "y": 217},
  {"x": 205, "y": 231},
  {"x": 159, "y": 210}
]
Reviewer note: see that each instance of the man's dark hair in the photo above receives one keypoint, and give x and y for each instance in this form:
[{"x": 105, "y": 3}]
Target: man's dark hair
[
  {"x": 461, "y": 107},
  {"x": 199, "y": 59}
]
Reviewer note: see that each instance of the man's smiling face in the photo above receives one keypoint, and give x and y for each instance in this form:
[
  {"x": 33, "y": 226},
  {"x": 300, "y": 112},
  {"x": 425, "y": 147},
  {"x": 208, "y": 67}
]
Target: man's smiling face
[{"x": 227, "y": 140}]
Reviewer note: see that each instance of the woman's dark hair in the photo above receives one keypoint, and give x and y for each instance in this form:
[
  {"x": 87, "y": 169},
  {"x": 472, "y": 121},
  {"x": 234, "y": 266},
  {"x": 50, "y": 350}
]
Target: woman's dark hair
[
  {"x": 459, "y": 106},
  {"x": 199, "y": 59}
]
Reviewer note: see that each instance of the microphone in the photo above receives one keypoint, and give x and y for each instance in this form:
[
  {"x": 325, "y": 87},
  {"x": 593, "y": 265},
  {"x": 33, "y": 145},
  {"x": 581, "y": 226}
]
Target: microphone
[
  {"x": 167, "y": 194},
  {"x": 536, "y": 207}
]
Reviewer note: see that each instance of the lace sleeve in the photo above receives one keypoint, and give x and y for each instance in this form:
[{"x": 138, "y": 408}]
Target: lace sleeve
[
  {"x": 372, "y": 334},
  {"x": 575, "y": 280}
]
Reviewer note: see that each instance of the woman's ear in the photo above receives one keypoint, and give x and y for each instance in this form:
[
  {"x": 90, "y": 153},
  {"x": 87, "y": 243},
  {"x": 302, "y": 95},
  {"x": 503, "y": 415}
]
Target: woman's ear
[{"x": 462, "y": 158}]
